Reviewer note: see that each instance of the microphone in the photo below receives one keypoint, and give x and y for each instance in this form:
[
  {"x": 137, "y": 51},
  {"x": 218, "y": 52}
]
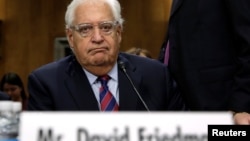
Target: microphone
[{"x": 122, "y": 66}]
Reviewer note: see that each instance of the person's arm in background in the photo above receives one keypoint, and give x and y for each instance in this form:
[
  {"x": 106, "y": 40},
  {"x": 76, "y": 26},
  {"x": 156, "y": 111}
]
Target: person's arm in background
[{"x": 240, "y": 20}]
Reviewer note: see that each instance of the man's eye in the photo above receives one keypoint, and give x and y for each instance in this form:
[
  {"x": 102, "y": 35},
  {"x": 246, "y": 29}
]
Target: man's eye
[
  {"x": 106, "y": 27},
  {"x": 85, "y": 29}
]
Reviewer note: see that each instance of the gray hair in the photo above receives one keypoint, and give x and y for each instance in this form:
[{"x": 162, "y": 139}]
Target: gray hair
[{"x": 114, "y": 5}]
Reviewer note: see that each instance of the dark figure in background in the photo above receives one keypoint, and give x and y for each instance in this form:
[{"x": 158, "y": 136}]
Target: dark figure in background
[
  {"x": 209, "y": 53},
  {"x": 139, "y": 51},
  {"x": 94, "y": 31},
  {"x": 12, "y": 84}
]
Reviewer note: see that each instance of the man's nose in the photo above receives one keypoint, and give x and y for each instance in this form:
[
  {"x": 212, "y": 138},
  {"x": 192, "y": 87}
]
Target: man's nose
[{"x": 97, "y": 35}]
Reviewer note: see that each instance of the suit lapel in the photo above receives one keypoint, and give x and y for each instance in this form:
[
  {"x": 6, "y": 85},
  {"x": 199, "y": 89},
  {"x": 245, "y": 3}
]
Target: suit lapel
[
  {"x": 80, "y": 89},
  {"x": 127, "y": 95},
  {"x": 175, "y": 6}
]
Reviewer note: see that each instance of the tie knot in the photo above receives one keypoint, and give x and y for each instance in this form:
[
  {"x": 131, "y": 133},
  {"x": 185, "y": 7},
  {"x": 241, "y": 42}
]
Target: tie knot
[{"x": 104, "y": 79}]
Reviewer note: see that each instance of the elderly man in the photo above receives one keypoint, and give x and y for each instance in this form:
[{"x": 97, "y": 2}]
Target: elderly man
[{"x": 97, "y": 77}]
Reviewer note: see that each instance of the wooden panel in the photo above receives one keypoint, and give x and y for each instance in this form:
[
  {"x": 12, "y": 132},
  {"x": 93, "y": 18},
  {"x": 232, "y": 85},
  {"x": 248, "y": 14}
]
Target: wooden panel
[
  {"x": 2, "y": 9},
  {"x": 145, "y": 24},
  {"x": 1, "y": 35},
  {"x": 29, "y": 31},
  {"x": 2, "y": 17}
]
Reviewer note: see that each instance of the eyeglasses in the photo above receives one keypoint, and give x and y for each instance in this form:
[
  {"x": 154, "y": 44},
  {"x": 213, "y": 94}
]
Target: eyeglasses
[{"x": 87, "y": 29}]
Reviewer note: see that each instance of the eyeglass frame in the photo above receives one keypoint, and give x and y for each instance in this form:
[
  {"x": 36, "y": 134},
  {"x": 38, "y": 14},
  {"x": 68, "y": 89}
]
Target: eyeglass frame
[{"x": 90, "y": 32}]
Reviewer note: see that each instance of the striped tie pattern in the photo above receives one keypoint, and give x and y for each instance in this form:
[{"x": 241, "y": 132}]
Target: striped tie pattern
[{"x": 107, "y": 100}]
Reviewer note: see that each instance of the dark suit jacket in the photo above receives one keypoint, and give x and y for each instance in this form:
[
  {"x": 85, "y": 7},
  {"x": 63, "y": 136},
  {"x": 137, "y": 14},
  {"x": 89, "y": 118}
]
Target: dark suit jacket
[
  {"x": 4, "y": 96},
  {"x": 63, "y": 85},
  {"x": 210, "y": 53}
]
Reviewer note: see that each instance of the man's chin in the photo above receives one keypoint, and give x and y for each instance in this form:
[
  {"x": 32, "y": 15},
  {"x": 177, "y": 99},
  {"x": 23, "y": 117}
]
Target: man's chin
[{"x": 100, "y": 62}]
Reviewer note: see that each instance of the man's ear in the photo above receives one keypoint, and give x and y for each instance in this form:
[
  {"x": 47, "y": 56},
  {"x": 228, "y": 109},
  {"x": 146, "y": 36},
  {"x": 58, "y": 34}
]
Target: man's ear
[
  {"x": 69, "y": 34},
  {"x": 119, "y": 33}
]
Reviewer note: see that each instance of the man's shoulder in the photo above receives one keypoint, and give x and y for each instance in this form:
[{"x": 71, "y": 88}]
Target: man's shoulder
[
  {"x": 142, "y": 61},
  {"x": 55, "y": 65},
  {"x": 54, "y": 68},
  {"x": 4, "y": 96}
]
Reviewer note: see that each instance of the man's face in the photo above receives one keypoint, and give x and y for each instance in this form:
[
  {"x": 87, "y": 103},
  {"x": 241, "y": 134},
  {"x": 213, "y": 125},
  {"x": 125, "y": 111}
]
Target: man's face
[{"x": 95, "y": 36}]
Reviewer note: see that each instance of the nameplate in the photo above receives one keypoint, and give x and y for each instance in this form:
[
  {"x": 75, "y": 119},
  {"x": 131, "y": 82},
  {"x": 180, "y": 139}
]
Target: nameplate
[{"x": 120, "y": 126}]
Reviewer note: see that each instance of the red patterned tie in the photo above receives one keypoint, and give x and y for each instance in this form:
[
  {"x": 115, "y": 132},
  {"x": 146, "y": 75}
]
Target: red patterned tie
[{"x": 107, "y": 100}]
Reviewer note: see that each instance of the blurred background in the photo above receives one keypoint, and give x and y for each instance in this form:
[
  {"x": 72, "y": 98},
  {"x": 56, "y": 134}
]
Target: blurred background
[{"x": 32, "y": 31}]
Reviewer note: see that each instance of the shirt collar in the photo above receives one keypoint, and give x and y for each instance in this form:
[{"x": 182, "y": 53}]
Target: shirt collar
[{"x": 113, "y": 74}]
